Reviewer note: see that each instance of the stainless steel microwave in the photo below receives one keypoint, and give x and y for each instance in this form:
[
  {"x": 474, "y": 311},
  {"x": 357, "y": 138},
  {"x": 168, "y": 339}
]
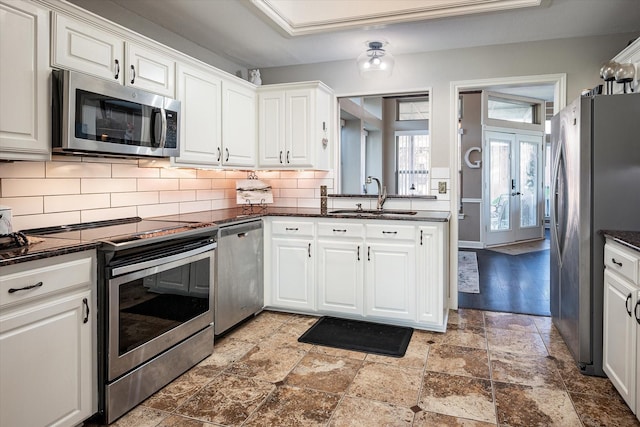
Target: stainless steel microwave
[{"x": 98, "y": 117}]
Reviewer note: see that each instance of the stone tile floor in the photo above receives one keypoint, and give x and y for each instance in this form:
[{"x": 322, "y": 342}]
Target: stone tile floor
[{"x": 488, "y": 369}]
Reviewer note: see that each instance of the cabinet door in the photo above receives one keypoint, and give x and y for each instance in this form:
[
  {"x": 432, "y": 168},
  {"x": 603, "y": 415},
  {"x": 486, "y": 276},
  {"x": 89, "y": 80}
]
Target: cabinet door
[
  {"x": 87, "y": 48},
  {"x": 292, "y": 274},
  {"x": 298, "y": 122},
  {"x": 201, "y": 124},
  {"x": 390, "y": 280},
  {"x": 271, "y": 118},
  {"x": 25, "y": 101},
  {"x": 46, "y": 364},
  {"x": 619, "y": 336},
  {"x": 150, "y": 70},
  {"x": 430, "y": 281},
  {"x": 238, "y": 125},
  {"x": 340, "y": 276}
]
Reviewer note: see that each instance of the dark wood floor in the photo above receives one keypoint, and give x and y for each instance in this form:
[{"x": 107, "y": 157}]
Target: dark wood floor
[{"x": 511, "y": 283}]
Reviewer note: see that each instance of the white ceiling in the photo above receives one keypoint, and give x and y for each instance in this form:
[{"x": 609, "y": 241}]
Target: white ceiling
[{"x": 239, "y": 31}]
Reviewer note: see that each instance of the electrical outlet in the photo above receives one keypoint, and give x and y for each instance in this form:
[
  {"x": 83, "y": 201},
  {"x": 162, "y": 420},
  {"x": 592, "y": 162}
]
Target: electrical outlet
[{"x": 442, "y": 187}]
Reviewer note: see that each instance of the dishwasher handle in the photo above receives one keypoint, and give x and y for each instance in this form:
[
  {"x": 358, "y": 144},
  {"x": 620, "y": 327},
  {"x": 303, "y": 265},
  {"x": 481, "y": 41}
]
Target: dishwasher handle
[{"x": 240, "y": 229}]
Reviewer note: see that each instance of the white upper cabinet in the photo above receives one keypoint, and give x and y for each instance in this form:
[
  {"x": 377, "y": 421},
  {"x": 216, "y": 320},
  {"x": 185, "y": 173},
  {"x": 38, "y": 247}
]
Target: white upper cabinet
[
  {"x": 25, "y": 101},
  {"x": 238, "y": 124},
  {"x": 294, "y": 125},
  {"x": 199, "y": 92},
  {"x": 90, "y": 49}
]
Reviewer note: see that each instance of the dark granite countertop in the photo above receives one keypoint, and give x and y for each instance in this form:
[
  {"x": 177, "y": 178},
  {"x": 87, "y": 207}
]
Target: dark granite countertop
[
  {"x": 50, "y": 247},
  {"x": 389, "y": 196},
  {"x": 225, "y": 217},
  {"x": 631, "y": 239},
  {"x": 46, "y": 248}
]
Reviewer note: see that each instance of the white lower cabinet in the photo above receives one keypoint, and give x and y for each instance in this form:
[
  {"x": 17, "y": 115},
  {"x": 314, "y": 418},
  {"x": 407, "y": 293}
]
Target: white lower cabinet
[
  {"x": 391, "y": 271},
  {"x": 47, "y": 345},
  {"x": 292, "y": 264},
  {"x": 390, "y": 280},
  {"x": 621, "y": 325},
  {"x": 340, "y": 273}
]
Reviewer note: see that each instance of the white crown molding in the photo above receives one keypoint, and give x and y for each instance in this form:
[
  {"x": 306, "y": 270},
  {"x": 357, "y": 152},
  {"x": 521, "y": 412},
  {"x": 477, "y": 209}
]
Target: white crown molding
[{"x": 319, "y": 16}]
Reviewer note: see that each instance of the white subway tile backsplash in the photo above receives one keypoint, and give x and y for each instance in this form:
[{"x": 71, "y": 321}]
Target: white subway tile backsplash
[
  {"x": 24, "y": 205},
  {"x": 209, "y": 194},
  {"x": 77, "y": 170},
  {"x": 177, "y": 196},
  {"x": 112, "y": 185},
  {"x": 135, "y": 198},
  {"x": 22, "y": 170},
  {"x": 438, "y": 173},
  {"x": 19, "y": 187},
  {"x": 23, "y": 222},
  {"x": 195, "y": 184},
  {"x": 178, "y": 173},
  {"x": 206, "y": 173},
  {"x": 158, "y": 184},
  {"x": 148, "y": 211},
  {"x": 297, "y": 192},
  {"x": 309, "y": 203},
  {"x": 285, "y": 203},
  {"x": 72, "y": 202},
  {"x": 283, "y": 183},
  {"x": 202, "y": 205},
  {"x": 133, "y": 171},
  {"x": 104, "y": 214},
  {"x": 223, "y": 204}
]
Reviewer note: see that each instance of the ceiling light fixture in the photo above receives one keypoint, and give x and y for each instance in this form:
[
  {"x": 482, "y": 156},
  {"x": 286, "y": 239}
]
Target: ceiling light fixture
[{"x": 375, "y": 61}]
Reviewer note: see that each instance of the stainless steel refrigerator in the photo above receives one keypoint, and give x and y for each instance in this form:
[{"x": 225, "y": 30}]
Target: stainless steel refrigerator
[{"x": 595, "y": 186}]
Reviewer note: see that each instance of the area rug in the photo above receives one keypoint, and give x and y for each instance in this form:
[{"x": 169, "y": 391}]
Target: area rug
[
  {"x": 522, "y": 248},
  {"x": 468, "y": 278},
  {"x": 357, "y": 335}
]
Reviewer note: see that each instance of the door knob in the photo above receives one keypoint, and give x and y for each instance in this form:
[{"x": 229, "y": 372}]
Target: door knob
[{"x": 515, "y": 193}]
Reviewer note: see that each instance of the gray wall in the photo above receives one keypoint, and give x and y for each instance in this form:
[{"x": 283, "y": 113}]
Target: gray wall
[{"x": 580, "y": 58}]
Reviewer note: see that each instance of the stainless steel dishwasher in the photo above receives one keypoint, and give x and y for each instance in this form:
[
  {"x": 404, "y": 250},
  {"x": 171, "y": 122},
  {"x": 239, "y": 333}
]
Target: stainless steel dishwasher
[{"x": 239, "y": 290}]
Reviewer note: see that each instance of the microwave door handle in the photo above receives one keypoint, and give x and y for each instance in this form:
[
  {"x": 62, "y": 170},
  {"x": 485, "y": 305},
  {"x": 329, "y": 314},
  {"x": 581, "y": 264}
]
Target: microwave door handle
[{"x": 163, "y": 136}]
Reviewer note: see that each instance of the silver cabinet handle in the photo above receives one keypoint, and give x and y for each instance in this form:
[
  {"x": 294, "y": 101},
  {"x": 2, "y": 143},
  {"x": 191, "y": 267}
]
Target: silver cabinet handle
[
  {"x": 117, "y": 75},
  {"x": 389, "y": 232},
  {"x": 368, "y": 253},
  {"x": 421, "y": 231},
  {"x": 309, "y": 250},
  {"x": 358, "y": 253},
  {"x": 227, "y": 150},
  {"x": 291, "y": 228},
  {"x": 337, "y": 230},
  {"x": 219, "y": 153},
  {"x": 636, "y": 310},
  {"x": 288, "y": 152},
  {"x": 280, "y": 156},
  {"x": 626, "y": 304},
  {"x": 25, "y": 288}
]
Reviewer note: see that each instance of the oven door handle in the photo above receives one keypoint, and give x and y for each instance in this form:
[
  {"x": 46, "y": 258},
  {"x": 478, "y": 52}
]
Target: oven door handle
[{"x": 161, "y": 261}]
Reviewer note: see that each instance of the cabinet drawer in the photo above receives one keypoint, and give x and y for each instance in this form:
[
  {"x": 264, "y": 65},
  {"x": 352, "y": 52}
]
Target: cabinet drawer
[
  {"x": 621, "y": 261},
  {"x": 292, "y": 228},
  {"x": 340, "y": 229},
  {"x": 30, "y": 280},
  {"x": 391, "y": 231}
]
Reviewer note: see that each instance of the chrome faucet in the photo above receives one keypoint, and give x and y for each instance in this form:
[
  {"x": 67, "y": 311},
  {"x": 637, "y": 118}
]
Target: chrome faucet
[{"x": 382, "y": 191}]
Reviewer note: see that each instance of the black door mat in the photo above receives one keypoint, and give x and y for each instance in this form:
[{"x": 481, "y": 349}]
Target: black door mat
[{"x": 357, "y": 335}]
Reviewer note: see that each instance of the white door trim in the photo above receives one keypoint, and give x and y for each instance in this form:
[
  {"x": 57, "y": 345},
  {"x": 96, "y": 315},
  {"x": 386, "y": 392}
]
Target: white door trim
[{"x": 455, "y": 87}]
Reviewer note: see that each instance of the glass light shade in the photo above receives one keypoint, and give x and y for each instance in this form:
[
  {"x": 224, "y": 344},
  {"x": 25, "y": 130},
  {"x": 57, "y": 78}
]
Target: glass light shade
[{"x": 375, "y": 61}]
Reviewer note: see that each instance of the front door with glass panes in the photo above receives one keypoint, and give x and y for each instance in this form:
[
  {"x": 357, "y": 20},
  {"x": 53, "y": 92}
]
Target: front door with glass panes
[
  {"x": 513, "y": 196},
  {"x": 512, "y": 191}
]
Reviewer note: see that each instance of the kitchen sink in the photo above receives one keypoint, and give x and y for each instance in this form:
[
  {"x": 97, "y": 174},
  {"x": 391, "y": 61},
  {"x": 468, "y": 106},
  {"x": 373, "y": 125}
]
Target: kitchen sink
[{"x": 372, "y": 212}]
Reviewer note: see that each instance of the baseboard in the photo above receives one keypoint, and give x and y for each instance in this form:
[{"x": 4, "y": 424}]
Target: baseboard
[{"x": 466, "y": 244}]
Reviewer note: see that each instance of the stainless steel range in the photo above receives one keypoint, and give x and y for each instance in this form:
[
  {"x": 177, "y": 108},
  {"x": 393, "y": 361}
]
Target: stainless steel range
[{"x": 155, "y": 303}]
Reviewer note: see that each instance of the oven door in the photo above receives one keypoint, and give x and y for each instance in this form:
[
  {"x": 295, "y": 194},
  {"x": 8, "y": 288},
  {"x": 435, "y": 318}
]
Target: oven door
[{"x": 154, "y": 304}]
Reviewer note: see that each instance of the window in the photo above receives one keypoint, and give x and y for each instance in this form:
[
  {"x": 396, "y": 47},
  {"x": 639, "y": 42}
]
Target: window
[
  {"x": 413, "y": 109},
  {"x": 413, "y": 156}
]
